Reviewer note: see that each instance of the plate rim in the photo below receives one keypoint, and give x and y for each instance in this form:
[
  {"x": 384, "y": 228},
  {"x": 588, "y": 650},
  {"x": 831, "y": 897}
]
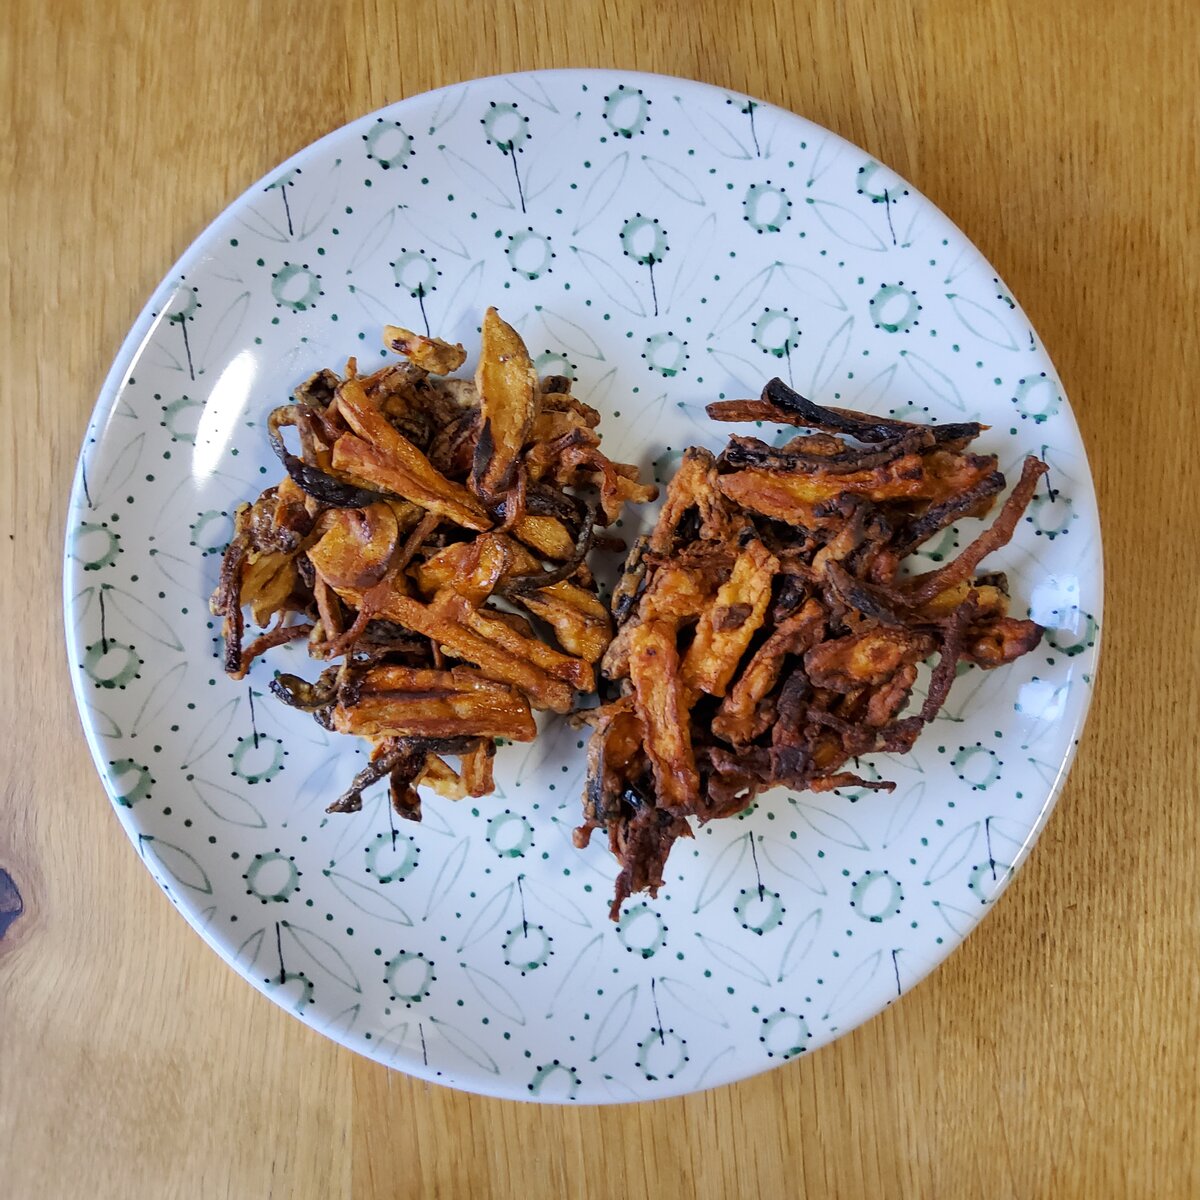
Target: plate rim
[{"x": 101, "y": 415}]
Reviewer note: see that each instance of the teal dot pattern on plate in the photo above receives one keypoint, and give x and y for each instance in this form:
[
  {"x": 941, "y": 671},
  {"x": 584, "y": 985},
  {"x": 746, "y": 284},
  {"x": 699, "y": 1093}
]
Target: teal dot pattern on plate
[{"x": 664, "y": 243}]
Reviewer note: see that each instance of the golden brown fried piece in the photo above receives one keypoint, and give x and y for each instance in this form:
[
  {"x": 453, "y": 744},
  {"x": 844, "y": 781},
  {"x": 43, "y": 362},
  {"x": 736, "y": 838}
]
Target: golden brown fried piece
[
  {"x": 268, "y": 581},
  {"x": 573, "y": 459},
  {"x": 551, "y": 424},
  {"x": 990, "y": 601},
  {"x": 443, "y": 778},
  {"x": 429, "y": 353},
  {"x": 581, "y": 465},
  {"x": 865, "y": 659},
  {"x": 564, "y": 402},
  {"x": 473, "y": 569},
  {"x": 725, "y": 628},
  {"x": 744, "y": 715},
  {"x": 485, "y": 622},
  {"x": 580, "y": 621},
  {"x": 477, "y": 764},
  {"x": 357, "y": 546},
  {"x": 661, "y": 704},
  {"x": 457, "y": 566},
  {"x": 617, "y": 743},
  {"x": 694, "y": 488},
  {"x": 385, "y": 459},
  {"x": 766, "y": 632},
  {"x": 422, "y": 703},
  {"x": 508, "y": 390},
  {"x": 1001, "y": 641},
  {"x": 793, "y": 497},
  {"x": 676, "y": 593},
  {"x": 547, "y": 535},
  {"x": 445, "y": 623}
]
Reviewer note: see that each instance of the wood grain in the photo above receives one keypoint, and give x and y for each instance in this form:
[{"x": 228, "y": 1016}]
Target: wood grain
[{"x": 1055, "y": 1053}]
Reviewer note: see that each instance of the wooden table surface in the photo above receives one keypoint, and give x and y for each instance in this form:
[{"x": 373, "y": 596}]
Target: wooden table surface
[{"x": 1057, "y": 1053}]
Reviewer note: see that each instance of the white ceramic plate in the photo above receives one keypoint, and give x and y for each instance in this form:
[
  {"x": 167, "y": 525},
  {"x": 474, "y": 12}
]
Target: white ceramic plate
[{"x": 666, "y": 243}]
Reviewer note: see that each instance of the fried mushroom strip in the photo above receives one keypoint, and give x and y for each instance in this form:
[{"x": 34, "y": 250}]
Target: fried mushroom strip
[
  {"x": 376, "y": 453},
  {"x": 429, "y": 353},
  {"x": 508, "y": 392}
]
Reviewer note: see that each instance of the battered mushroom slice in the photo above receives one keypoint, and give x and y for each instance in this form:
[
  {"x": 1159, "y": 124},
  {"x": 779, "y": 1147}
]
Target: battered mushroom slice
[{"x": 429, "y": 353}]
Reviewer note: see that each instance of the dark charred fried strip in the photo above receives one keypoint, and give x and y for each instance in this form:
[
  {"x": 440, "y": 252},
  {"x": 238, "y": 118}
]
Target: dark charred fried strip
[
  {"x": 632, "y": 582},
  {"x": 731, "y": 780},
  {"x": 228, "y": 600},
  {"x": 793, "y": 697},
  {"x": 523, "y": 585},
  {"x": 973, "y": 502},
  {"x": 542, "y": 500},
  {"x": 315, "y": 482},
  {"x": 782, "y": 405},
  {"x": 815, "y": 416},
  {"x": 390, "y": 755},
  {"x": 924, "y": 587},
  {"x": 950, "y": 652},
  {"x": 485, "y": 451},
  {"x": 264, "y": 642},
  {"x": 317, "y": 390},
  {"x": 641, "y": 844},
  {"x": 308, "y": 697},
  {"x": 862, "y": 597},
  {"x": 863, "y": 426},
  {"x": 408, "y": 765},
  {"x": 351, "y": 799},
  {"x": 324, "y": 487},
  {"x": 956, "y": 435},
  {"x": 751, "y": 452}
]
